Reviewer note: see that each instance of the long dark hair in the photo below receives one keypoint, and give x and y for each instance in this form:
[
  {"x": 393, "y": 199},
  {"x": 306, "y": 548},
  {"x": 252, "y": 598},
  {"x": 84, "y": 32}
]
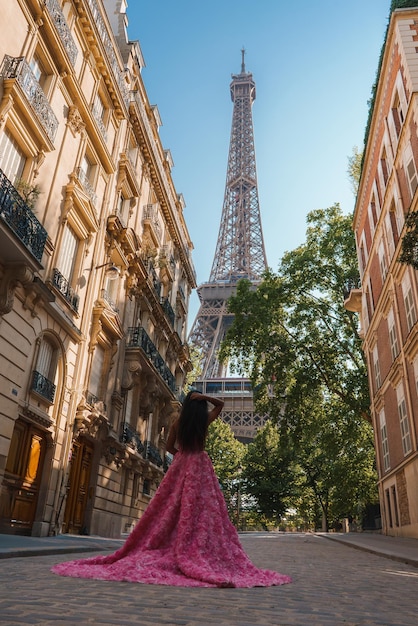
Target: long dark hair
[{"x": 193, "y": 424}]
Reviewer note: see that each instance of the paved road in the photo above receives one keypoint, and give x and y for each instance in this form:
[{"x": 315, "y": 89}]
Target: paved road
[{"x": 333, "y": 584}]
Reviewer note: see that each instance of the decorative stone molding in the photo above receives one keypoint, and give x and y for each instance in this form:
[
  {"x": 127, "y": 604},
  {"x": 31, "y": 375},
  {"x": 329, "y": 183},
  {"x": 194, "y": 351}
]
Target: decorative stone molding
[
  {"x": 12, "y": 277},
  {"x": 75, "y": 121}
]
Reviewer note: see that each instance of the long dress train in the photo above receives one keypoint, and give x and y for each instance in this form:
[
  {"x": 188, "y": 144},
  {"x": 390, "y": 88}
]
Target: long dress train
[{"x": 184, "y": 538}]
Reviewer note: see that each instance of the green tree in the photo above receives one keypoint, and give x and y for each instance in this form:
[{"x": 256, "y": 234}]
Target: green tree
[
  {"x": 268, "y": 472},
  {"x": 227, "y": 454}
]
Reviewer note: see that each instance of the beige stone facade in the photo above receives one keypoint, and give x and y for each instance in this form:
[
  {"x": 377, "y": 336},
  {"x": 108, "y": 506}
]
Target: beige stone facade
[
  {"x": 388, "y": 298},
  {"x": 95, "y": 273}
]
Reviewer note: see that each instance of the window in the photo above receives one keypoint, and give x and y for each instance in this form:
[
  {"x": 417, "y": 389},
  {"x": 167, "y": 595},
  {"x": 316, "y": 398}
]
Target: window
[
  {"x": 393, "y": 338},
  {"x": 372, "y": 216},
  {"x": 416, "y": 373},
  {"x": 376, "y": 368},
  {"x": 384, "y": 440},
  {"x": 63, "y": 275},
  {"x": 111, "y": 293},
  {"x": 42, "y": 73},
  {"x": 45, "y": 370},
  {"x": 412, "y": 176},
  {"x": 86, "y": 174},
  {"x": 96, "y": 385},
  {"x": 12, "y": 159},
  {"x": 123, "y": 209},
  {"x": 382, "y": 260},
  {"x": 403, "y": 420},
  {"x": 410, "y": 170},
  {"x": 99, "y": 110},
  {"x": 389, "y": 508},
  {"x": 38, "y": 70},
  {"x": 390, "y": 231},
  {"x": 410, "y": 309},
  {"x": 383, "y": 170},
  {"x": 363, "y": 254}
]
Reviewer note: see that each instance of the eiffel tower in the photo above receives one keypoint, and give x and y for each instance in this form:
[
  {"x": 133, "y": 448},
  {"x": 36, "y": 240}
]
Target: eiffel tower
[{"x": 240, "y": 253}]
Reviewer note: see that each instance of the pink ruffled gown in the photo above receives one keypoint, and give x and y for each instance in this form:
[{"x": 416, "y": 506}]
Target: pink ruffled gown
[{"x": 184, "y": 538}]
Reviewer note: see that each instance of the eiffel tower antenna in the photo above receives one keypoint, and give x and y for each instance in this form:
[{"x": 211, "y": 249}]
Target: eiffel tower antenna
[{"x": 240, "y": 251}]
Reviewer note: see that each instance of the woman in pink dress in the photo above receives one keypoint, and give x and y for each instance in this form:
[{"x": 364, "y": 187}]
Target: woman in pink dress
[{"x": 185, "y": 536}]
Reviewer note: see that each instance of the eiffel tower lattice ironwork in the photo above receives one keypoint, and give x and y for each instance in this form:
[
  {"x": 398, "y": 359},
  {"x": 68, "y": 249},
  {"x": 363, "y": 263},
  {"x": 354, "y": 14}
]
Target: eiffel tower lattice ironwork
[{"x": 240, "y": 253}]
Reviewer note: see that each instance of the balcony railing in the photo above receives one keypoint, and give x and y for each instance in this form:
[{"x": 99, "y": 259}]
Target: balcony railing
[
  {"x": 57, "y": 16},
  {"x": 43, "y": 386},
  {"x": 110, "y": 50},
  {"x": 17, "y": 68},
  {"x": 18, "y": 216},
  {"x": 168, "y": 310},
  {"x": 99, "y": 122},
  {"x": 92, "y": 400},
  {"x": 87, "y": 186},
  {"x": 152, "y": 454},
  {"x": 61, "y": 283},
  {"x": 130, "y": 436},
  {"x": 138, "y": 338},
  {"x": 111, "y": 302}
]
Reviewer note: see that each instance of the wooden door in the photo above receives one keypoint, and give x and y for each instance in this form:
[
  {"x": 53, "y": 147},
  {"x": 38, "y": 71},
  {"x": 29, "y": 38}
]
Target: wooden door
[
  {"x": 78, "y": 488},
  {"x": 22, "y": 477}
]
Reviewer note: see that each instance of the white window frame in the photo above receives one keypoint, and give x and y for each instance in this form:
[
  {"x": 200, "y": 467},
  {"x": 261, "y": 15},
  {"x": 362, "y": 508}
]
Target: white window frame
[
  {"x": 376, "y": 368},
  {"x": 12, "y": 157},
  {"x": 403, "y": 420},
  {"x": 393, "y": 335},
  {"x": 410, "y": 170},
  {"x": 389, "y": 234},
  {"x": 381, "y": 252},
  {"x": 384, "y": 440},
  {"x": 70, "y": 245},
  {"x": 409, "y": 302}
]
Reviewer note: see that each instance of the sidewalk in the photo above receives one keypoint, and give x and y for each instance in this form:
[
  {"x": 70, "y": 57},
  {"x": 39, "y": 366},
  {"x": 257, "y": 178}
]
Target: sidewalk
[
  {"x": 403, "y": 549},
  {"x": 12, "y": 546},
  {"x": 400, "y": 549}
]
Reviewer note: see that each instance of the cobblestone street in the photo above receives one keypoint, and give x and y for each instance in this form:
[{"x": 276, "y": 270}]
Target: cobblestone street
[{"x": 333, "y": 584}]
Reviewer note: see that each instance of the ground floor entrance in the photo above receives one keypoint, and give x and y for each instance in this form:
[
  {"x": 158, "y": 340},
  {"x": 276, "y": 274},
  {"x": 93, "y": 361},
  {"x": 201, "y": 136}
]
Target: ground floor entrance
[
  {"x": 79, "y": 492},
  {"x": 19, "y": 490}
]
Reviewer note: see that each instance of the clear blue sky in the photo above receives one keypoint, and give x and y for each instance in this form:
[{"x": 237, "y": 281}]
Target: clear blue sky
[{"x": 314, "y": 64}]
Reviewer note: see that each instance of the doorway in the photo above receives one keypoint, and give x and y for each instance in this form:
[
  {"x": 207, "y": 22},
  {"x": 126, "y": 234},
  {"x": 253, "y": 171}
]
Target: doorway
[
  {"x": 79, "y": 492},
  {"x": 22, "y": 477}
]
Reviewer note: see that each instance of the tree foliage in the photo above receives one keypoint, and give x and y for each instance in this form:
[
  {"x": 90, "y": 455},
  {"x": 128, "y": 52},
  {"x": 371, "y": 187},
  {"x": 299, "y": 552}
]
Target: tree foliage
[
  {"x": 227, "y": 454},
  {"x": 268, "y": 474}
]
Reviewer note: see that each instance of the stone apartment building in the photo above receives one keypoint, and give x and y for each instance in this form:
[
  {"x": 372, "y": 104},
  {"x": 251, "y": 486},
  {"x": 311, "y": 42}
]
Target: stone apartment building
[
  {"x": 95, "y": 273},
  {"x": 388, "y": 298}
]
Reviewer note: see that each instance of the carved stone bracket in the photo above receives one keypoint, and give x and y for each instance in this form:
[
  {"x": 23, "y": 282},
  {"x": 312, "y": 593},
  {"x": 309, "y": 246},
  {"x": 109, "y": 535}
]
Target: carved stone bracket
[{"x": 12, "y": 276}]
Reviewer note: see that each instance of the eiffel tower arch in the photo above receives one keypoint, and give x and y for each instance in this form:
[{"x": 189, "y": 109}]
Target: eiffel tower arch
[{"x": 240, "y": 253}]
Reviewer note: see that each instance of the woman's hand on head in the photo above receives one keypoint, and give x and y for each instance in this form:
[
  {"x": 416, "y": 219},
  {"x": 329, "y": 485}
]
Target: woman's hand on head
[{"x": 196, "y": 396}]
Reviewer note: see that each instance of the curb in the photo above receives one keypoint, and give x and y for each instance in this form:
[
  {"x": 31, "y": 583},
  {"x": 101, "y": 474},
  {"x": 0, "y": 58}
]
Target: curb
[{"x": 387, "y": 555}]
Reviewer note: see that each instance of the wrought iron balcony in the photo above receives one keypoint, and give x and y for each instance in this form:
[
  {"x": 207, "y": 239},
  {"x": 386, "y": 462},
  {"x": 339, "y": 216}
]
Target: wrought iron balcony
[
  {"x": 61, "y": 283},
  {"x": 43, "y": 386},
  {"x": 130, "y": 436},
  {"x": 57, "y": 16},
  {"x": 18, "y": 69},
  {"x": 168, "y": 310},
  {"x": 152, "y": 454},
  {"x": 99, "y": 122},
  {"x": 18, "y": 216},
  {"x": 110, "y": 50},
  {"x": 92, "y": 400},
  {"x": 85, "y": 183},
  {"x": 138, "y": 338},
  {"x": 107, "y": 298}
]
